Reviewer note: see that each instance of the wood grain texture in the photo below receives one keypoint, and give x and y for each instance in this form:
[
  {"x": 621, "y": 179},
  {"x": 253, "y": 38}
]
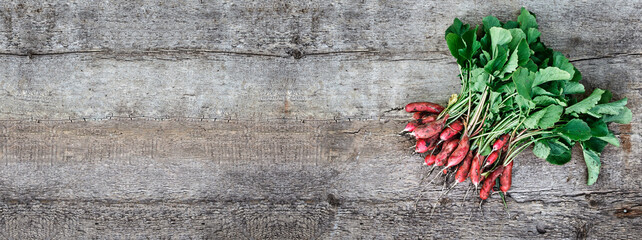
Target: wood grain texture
[
  {"x": 279, "y": 119},
  {"x": 216, "y": 59},
  {"x": 239, "y": 179}
]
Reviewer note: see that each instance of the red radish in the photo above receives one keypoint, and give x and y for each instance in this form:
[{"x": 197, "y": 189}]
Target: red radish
[
  {"x": 447, "y": 134},
  {"x": 424, "y": 107},
  {"x": 475, "y": 171},
  {"x": 505, "y": 179},
  {"x": 448, "y": 147},
  {"x": 489, "y": 183},
  {"x": 500, "y": 142},
  {"x": 421, "y": 146},
  {"x": 505, "y": 148},
  {"x": 410, "y": 126},
  {"x": 460, "y": 153},
  {"x": 491, "y": 158},
  {"x": 451, "y": 131},
  {"x": 430, "y": 159},
  {"x": 432, "y": 142},
  {"x": 419, "y": 115},
  {"x": 445, "y": 170},
  {"x": 429, "y": 130},
  {"x": 457, "y": 125},
  {"x": 426, "y": 119},
  {"x": 462, "y": 171}
]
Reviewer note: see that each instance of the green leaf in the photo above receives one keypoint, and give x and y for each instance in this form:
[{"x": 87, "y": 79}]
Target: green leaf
[
  {"x": 550, "y": 74},
  {"x": 552, "y": 116},
  {"x": 532, "y": 120},
  {"x": 508, "y": 88},
  {"x": 592, "y": 159},
  {"x": 511, "y": 64},
  {"x": 586, "y": 104},
  {"x": 530, "y": 65},
  {"x": 559, "y": 154},
  {"x": 523, "y": 103},
  {"x": 612, "y": 108},
  {"x": 517, "y": 36},
  {"x": 496, "y": 64},
  {"x": 561, "y": 62},
  {"x": 575, "y": 129},
  {"x": 471, "y": 44},
  {"x": 547, "y": 100},
  {"x": 537, "y": 91},
  {"x": 486, "y": 54},
  {"x": 541, "y": 149},
  {"x": 523, "y": 53},
  {"x": 599, "y": 129},
  {"x": 610, "y": 138},
  {"x": 573, "y": 88},
  {"x": 479, "y": 79},
  {"x": 487, "y": 150},
  {"x": 544, "y": 100},
  {"x": 544, "y": 118},
  {"x": 495, "y": 99},
  {"x": 526, "y": 20},
  {"x": 555, "y": 87},
  {"x": 454, "y": 44},
  {"x": 485, "y": 43},
  {"x": 511, "y": 24},
  {"x": 578, "y": 76},
  {"x": 606, "y": 97},
  {"x": 498, "y": 37},
  {"x": 457, "y": 27},
  {"x": 489, "y": 22},
  {"x": 532, "y": 34},
  {"x": 595, "y": 144},
  {"x": 624, "y": 117},
  {"x": 523, "y": 80}
]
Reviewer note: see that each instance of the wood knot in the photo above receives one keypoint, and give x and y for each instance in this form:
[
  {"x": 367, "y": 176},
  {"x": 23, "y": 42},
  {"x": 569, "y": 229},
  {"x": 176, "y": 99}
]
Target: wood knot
[
  {"x": 333, "y": 200},
  {"x": 295, "y": 53}
]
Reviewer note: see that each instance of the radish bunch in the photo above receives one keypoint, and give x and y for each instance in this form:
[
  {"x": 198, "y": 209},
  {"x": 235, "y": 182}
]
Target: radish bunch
[
  {"x": 515, "y": 92},
  {"x": 448, "y": 146}
]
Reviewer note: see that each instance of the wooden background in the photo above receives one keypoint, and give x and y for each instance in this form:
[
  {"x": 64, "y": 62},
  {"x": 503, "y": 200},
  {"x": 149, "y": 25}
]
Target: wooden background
[{"x": 278, "y": 119}]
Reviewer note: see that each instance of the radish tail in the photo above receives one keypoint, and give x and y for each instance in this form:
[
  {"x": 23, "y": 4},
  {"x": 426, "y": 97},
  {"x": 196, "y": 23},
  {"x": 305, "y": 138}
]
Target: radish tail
[
  {"x": 448, "y": 190},
  {"x": 468, "y": 189}
]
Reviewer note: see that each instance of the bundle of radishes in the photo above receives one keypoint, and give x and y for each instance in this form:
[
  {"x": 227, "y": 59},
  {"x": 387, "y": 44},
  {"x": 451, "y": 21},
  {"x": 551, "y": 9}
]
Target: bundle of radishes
[{"x": 515, "y": 92}]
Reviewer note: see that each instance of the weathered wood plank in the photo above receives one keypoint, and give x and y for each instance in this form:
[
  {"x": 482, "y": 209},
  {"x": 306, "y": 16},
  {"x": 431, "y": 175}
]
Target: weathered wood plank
[
  {"x": 244, "y": 179},
  {"x": 142, "y": 59},
  {"x": 324, "y": 87},
  {"x": 296, "y": 28}
]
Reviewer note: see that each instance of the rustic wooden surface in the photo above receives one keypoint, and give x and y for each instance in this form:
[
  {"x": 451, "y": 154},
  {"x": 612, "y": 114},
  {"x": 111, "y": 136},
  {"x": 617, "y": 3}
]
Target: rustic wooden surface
[{"x": 278, "y": 119}]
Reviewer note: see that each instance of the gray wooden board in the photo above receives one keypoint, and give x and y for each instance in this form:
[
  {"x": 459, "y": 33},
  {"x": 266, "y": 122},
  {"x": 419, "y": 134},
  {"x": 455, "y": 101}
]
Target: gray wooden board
[
  {"x": 244, "y": 179},
  {"x": 279, "y": 119}
]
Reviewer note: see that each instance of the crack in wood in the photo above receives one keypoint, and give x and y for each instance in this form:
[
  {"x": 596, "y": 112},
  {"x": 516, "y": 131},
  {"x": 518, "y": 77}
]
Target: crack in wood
[{"x": 607, "y": 56}]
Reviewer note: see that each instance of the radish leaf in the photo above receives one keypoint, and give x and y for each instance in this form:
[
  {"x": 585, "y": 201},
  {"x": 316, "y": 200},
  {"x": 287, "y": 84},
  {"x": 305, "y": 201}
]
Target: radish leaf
[
  {"x": 586, "y": 104},
  {"x": 612, "y": 108},
  {"x": 552, "y": 116},
  {"x": 550, "y": 74},
  {"x": 575, "y": 129},
  {"x": 623, "y": 117},
  {"x": 573, "y": 88},
  {"x": 592, "y": 159},
  {"x": 541, "y": 149},
  {"x": 489, "y": 22},
  {"x": 498, "y": 37},
  {"x": 532, "y": 34},
  {"x": 523, "y": 80},
  {"x": 560, "y": 154},
  {"x": 526, "y": 20}
]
